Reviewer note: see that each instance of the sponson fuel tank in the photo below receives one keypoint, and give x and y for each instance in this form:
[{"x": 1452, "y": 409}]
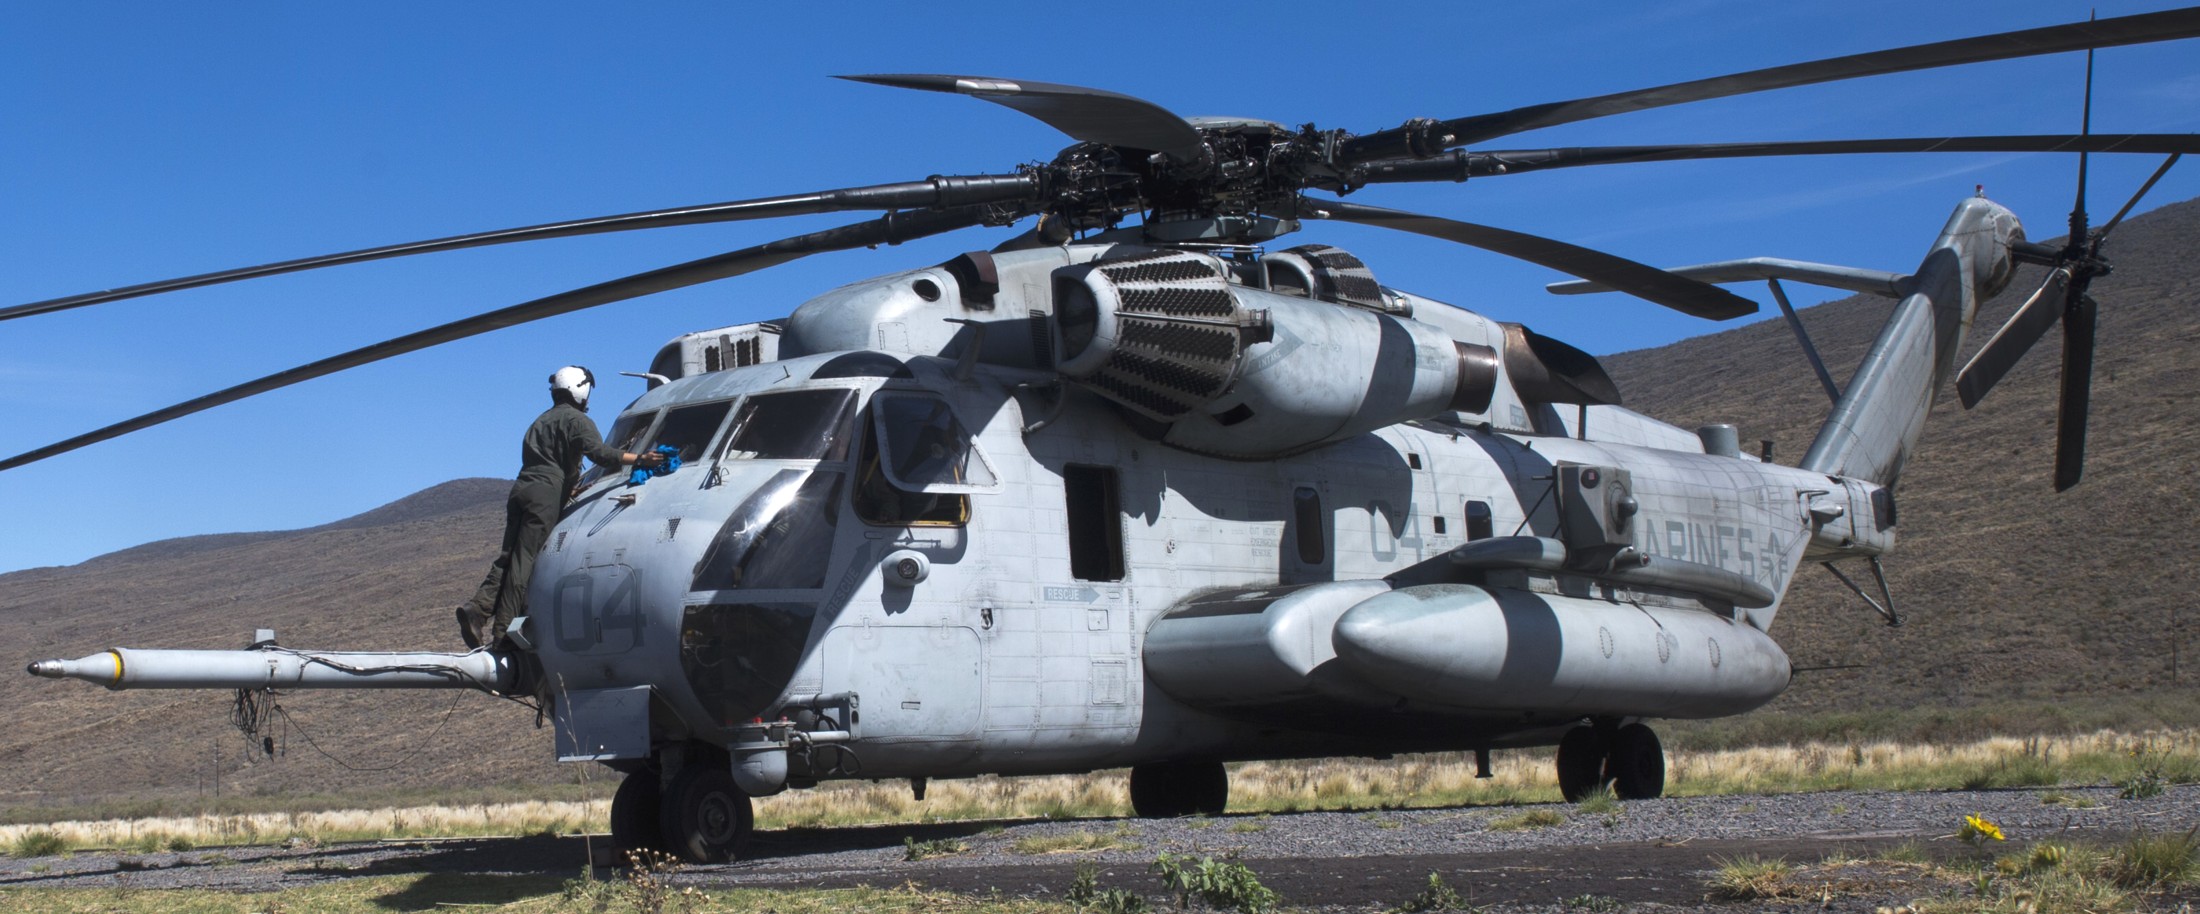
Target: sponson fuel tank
[
  {"x": 1469, "y": 648},
  {"x": 1501, "y": 649},
  {"x": 1259, "y": 648}
]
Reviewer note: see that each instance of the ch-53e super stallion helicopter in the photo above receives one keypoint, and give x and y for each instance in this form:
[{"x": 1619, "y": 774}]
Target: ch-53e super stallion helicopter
[{"x": 1146, "y": 493}]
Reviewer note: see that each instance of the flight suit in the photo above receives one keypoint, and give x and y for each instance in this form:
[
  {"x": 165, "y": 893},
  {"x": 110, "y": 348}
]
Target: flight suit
[{"x": 550, "y": 464}]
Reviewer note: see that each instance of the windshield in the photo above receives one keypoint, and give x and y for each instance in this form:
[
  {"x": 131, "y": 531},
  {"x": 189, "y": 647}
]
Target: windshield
[
  {"x": 780, "y": 538},
  {"x": 625, "y": 435},
  {"x": 689, "y": 428},
  {"x": 792, "y": 425}
]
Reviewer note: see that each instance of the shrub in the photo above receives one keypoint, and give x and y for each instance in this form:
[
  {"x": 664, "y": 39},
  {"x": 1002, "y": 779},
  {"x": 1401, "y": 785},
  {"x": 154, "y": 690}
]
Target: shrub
[
  {"x": 1085, "y": 894},
  {"x": 1220, "y": 884},
  {"x": 915, "y": 850},
  {"x": 39, "y": 843},
  {"x": 1750, "y": 878},
  {"x": 1438, "y": 896},
  {"x": 2150, "y": 860}
]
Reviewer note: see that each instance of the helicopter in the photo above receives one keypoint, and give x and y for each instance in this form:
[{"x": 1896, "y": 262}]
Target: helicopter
[{"x": 1140, "y": 488}]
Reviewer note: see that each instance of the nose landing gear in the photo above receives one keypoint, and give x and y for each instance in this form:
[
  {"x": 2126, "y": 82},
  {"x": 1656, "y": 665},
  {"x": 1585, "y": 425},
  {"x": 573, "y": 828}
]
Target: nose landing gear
[
  {"x": 1628, "y": 757},
  {"x": 697, "y": 814}
]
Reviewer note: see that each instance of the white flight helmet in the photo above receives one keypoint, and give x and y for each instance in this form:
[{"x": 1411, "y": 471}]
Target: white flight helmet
[{"x": 576, "y": 382}]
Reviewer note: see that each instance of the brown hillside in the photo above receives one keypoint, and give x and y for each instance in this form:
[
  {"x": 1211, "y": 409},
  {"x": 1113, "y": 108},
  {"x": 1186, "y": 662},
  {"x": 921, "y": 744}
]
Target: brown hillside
[
  {"x": 384, "y": 580},
  {"x": 2012, "y": 592}
]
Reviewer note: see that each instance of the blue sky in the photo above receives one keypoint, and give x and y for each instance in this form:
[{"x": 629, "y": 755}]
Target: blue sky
[{"x": 149, "y": 140}]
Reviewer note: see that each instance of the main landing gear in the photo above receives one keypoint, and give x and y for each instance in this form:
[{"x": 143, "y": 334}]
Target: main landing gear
[
  {"x": 696, "y": 814},
  {"x": 1626, "y": 756},
  {"x": 1166, "y": 790}
]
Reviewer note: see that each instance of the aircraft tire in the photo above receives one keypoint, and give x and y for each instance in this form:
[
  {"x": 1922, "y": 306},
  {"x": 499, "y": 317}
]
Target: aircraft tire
[
  {"x": 1166, "y": 790},
  {"x": 1209, "y": 786},
  {"x": 1580, "y": 763},
  {"x": 706, "y": 818},
  {"x": 1638, "y": 763},
  {"x": 634, "y": 812}
]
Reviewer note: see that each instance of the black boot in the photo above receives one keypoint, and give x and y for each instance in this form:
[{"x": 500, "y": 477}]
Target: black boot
[{"x": 473, "y": 627}]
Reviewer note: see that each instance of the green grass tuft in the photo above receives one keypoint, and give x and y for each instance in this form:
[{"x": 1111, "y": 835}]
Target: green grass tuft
[{"x": 39, "y": 843}]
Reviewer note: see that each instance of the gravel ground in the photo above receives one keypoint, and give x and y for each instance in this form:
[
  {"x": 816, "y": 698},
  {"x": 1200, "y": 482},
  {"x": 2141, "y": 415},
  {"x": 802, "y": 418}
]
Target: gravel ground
[{"x": 1649, "y": 856}]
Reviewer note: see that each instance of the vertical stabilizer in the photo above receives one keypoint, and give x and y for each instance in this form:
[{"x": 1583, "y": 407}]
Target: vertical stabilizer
[{"x": 1875, "y": 426}]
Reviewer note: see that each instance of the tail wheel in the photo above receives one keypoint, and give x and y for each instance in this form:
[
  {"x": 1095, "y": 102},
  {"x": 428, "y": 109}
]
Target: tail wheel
[
  {"x": 706, "y": 819},
  {"x": 1637, "y": 764},
  {"x": 635, "y": 810},
  {"x": 1580, "y": 763},
  {"x": 1166, "y": 790}
]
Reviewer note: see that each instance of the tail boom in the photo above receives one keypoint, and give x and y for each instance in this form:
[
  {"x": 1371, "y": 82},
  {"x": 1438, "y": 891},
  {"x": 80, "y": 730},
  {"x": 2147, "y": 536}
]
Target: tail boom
[{"x": 1874, "y": 428}]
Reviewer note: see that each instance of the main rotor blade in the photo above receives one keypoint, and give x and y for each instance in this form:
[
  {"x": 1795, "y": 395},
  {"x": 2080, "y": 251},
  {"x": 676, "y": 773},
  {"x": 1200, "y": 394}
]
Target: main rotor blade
[
  {"x": 893, "y": 229},
  {"x": 2014, "y": 339},
  {"x": 2077, "y": 392},
  {"x": 936, "y": 191},
  {"x": 1428, "y": 137},
  {"x": 1091, "y": 115},
  {"x": 1461, "y": 165},
  {"x": 1682, "y": 294}
]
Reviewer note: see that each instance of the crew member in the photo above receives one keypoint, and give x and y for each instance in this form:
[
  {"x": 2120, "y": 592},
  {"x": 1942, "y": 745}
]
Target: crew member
[{"x": 550, "y": 466}]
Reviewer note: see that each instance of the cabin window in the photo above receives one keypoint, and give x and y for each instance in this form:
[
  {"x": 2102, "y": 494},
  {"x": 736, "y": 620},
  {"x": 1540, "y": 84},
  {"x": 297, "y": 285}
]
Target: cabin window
[
  {"x": 926, "y": 450},
  {"x": 1480, "y": 525},
  {"x": 626, "y": 435},
  {"x": 690, "y": 428},
  {"x": 792, "y": 425},
  {"x": 880, "y": 502},
  {"x": 1095, "y": 523},
  {"x": 1306, "y": 515}
]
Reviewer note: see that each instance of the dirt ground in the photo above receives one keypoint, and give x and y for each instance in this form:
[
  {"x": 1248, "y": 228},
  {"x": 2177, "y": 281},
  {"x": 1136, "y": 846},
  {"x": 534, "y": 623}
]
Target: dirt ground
[{"x": 1645, "y": 856}]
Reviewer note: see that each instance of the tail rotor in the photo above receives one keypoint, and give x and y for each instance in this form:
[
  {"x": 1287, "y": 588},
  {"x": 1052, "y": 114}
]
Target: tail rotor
[{"x": 2071, "y": 268}]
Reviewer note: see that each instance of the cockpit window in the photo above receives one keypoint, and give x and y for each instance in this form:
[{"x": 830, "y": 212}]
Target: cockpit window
[
  {"x": 926, "y": 449},
  {"x": 690, "y": 428},
  {"x": 792, "y": 425},
  {"x": 780, "y": 537},
  {"x": 626, "y": 435}
]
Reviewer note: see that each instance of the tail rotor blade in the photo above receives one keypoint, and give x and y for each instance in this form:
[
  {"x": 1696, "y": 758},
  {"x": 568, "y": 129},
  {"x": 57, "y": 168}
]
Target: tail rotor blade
[
  {"x": 2134, "y": 201},
  {"x": 2014, "y": 339},
  {"x": 2077, "y": 391},
  {"x": 2085, "y": 128}
]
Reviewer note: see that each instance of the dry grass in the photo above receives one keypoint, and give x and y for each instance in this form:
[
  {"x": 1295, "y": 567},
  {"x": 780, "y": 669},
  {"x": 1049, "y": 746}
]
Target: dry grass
[
  {"x": 1751, "y": 878},
  {"x": 1414, "y": 781},
  {"x": 146, "y": 834}
]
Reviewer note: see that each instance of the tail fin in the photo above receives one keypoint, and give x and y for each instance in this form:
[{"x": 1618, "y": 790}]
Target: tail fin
[{"x": 1872, "y": 430}]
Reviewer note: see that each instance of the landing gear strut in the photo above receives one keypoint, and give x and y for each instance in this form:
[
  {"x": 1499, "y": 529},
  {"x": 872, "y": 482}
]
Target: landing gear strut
[
  {"x": 697, "y": 814},
  {"x": 1166, "y": 790},
  {"x": 1628, "y": 757}
]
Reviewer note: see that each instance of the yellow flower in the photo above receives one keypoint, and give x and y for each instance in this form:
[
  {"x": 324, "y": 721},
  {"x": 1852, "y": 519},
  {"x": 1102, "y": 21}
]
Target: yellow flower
[{"x": 1975, "y": 828}]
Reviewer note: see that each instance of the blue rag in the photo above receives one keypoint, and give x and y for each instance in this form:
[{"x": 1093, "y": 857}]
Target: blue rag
[{"x": 672, "y": 462}]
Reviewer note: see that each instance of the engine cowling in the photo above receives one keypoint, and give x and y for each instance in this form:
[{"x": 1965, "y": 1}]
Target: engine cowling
[{"x": 1244, "y": 372}]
